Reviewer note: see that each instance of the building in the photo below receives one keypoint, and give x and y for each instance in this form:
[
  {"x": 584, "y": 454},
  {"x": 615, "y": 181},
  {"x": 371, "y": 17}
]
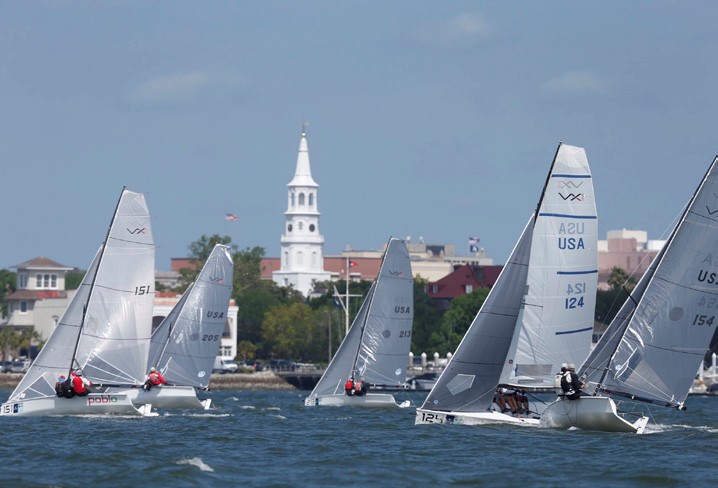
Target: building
[
  {"x": 430, "y": 262},
  {"x": 629, "y": 250},
  {"x": 462, "y": 281},
  {"x": 302, "y": 246},
  {"x": 40, "y": 298}
]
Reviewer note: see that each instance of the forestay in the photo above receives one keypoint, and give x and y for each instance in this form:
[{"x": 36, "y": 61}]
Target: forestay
[
  {"x": 662, "y": 344},
  {"x": 187, "y": 341}
]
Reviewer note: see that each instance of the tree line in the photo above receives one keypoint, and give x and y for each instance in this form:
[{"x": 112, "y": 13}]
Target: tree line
[{"x": 279, "y": 322}]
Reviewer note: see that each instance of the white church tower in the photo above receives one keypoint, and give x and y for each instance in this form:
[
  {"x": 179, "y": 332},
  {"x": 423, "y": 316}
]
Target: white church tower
[{"x": 302, "y": 253}]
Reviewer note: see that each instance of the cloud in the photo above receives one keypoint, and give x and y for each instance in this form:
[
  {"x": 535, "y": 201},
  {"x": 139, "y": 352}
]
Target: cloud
[
  {"x": 178, "y": 87},
  {"x": 462, "y": 30},
  {"x": 576, "y": 83}
]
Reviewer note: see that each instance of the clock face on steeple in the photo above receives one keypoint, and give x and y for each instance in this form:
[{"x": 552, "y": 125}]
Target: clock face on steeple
[
  {"x": 289, "y": 228},
  {"x": 311, "y": 227}
]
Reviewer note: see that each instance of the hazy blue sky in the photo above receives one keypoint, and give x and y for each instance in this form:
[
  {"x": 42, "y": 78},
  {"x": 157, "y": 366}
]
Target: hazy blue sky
[{"x": 427, "y": 118}]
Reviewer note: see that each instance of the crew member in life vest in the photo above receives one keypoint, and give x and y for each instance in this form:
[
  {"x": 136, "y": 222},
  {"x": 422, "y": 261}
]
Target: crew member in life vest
[
  {"x": 80, "y": 384},
  {"x": 558, "y": 378},
  {"x": 359, "y": 388},
  {"x": 154, "y": 378},
  {"x": 349, "y": 386},
  {"x": 63, "y": 388},
  {"x": 570, "y": 383}
]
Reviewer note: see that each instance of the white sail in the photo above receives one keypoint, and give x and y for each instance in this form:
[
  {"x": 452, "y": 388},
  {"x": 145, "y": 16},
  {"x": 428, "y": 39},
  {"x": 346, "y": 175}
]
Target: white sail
[
  {"x": 383, "y": 356},
  {"x": 469, "y": 381},
  {"x": 669, "y": 332},
  {"x": 55, "y": 357},
  {"x": 187, "y": 341},
  {"x": 114, "y": 342},
  {"x": 539, "y": 312},
  {"x": 556, "y": 321},
  {"x": 376, "y": 349}
]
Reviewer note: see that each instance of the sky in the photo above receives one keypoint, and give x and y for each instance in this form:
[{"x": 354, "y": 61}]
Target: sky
[{"x": 435, "y": 120}]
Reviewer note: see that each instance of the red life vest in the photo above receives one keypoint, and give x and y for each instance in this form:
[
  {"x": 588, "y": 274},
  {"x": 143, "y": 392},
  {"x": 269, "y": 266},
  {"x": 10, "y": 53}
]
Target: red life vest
[
  {"x": 349, "y": 385},
  {"x": 77, "y": 385},
  {"x": 155, "y": 378}
]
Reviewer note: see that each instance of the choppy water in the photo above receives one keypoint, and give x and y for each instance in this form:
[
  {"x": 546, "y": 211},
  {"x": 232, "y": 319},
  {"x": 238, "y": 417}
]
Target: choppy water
[{"x": 270, "y": 439}]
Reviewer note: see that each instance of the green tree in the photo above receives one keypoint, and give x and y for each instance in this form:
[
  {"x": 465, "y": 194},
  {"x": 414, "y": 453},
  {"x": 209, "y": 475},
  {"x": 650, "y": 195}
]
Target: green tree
[
  {"x": 290, "y": 331},
  {"x": 9, "y": 342},
  {"x": 8, "y": 280},
  {"x": 427, "y": 317},
  {"x": 456, "y": 321},
  {"x": 608, "y": 302},
  {"x": 246, "y": 350},
  {"x": 73, "y": 280}
]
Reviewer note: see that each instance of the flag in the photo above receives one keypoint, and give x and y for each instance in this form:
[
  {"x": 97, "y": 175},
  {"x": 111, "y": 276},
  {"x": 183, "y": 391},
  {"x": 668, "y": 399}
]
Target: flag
[
  {"x": 352, "y": 263},
  {"x": 473, "y": 244},
  {"x": 230, "y": 216}
]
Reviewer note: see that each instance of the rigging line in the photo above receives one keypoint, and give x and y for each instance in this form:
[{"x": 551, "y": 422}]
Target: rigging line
[
  {"x": 687, "y": 287},
  {"x": 667, "y": 349}
]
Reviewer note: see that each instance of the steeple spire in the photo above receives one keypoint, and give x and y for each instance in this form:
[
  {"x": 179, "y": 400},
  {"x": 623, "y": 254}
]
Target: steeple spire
[{"x": 303, "y": 173}]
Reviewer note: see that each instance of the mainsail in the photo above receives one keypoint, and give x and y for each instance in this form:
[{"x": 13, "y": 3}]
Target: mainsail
[
  {"x": 376, "y": 349},
  {"x": 111, "y": 309},
  {"x": 187, "y": 341},
  {"x": 657, "y": 345},
  {"x": 539, "y": 312}
]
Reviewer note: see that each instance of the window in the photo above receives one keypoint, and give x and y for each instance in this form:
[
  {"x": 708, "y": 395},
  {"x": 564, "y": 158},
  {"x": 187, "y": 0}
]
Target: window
[
  {"x": 293, "y": 200},
  {"x": 23, "y": 306},
  {"x": 469, "y": 288},
  {"x": 301, "y": 199},
  {"x": 311, "y": 199},
  {"x": 300, "y": 258},
  {"x": 47, "y": 281},
  {"x": 22, "y": 281},
  {"x": 301, "y": 225},
  {"x": 435, "y": 288},
  {"x": 311, "y": 227}
]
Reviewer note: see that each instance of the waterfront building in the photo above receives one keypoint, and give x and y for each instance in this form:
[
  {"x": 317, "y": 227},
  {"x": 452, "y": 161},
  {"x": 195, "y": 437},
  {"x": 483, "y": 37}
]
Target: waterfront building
[{"x": 630, "y": 250}]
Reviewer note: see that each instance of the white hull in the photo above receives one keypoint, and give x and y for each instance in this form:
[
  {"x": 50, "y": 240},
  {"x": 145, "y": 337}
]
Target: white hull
[
  {"x": 424, "y": 416},
  {"x": 165, "y": 396},
  {"x": 589, "y": 413},
  {"x": 93, "y": 404},
  {"x": 343, "y": 400}
]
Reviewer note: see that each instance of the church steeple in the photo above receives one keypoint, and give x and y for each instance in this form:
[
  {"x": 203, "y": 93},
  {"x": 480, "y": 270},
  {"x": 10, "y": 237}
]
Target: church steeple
[{"x": 302, "y": 246}]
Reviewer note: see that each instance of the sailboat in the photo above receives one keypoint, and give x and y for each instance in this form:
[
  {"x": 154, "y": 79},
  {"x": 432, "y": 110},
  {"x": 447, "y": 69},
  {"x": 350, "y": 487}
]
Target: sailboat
[
  {"x": 376, "y": 348},
  {"x": 185, "y": 344},
  {"x": 105, "y": 331},
  {"x": 539, "y": 312},
  {"x": 652, "y": 349}
]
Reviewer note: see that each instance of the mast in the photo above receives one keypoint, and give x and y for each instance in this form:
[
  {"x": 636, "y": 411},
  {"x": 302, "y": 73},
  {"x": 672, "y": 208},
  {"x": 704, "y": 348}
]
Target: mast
[{"x": 92, "y": 284}]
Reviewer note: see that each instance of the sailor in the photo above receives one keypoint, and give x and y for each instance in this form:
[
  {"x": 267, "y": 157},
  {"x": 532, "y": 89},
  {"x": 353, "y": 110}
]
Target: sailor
[
  {"x": 349, "y": 386},
  {"x": 60, "y": 387},
  {"x": 558, "y": 377},
  {"x": 359, "y": 388},
  {"x": 154, "y": 378},
  {"x": 570, "y": 384},
  {"x": 80, "y": 384}
]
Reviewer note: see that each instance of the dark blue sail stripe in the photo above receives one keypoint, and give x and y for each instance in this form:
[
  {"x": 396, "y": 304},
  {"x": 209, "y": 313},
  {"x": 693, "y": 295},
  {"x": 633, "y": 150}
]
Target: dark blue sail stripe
[
  {"x": 570, "y": 176},
  {"x": 574, "y": 331},
  {"x": 576, "y": 272},
  {"x": 567, "y": 216}
]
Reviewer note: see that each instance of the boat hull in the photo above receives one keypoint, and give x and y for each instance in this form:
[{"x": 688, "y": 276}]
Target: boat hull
[
  {"x": 371, "y": 400},
  {"x": 589, "y": 413},
  {"x": 182, "y": 397},
  {"x": 425, "y": 416},
  {"x": 92, "y": 404}
]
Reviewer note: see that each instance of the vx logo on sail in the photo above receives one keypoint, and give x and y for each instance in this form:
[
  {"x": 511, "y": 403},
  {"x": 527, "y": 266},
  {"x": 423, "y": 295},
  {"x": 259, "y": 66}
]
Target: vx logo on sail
[
  {"x": 136, "y": 228},
  {"x": 572, "y": 196},
  {"x": 569, "y": 184},
  {"x": 217, "y": 279},
  {"x": 398, "y": 274}
]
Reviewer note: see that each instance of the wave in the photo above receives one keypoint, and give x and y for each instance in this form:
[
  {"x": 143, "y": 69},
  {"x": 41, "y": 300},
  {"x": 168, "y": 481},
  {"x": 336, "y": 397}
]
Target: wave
[{"x": 196, "y": 461}]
